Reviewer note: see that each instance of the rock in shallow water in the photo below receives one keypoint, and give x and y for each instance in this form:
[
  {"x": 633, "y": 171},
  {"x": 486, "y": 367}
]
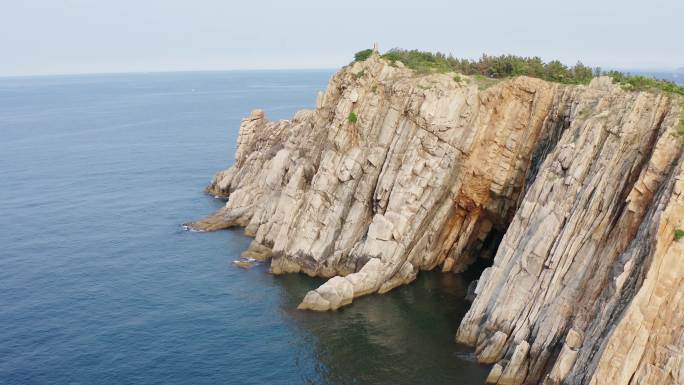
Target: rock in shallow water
[
  {"x": 245, "y": 263},
  {"x": 585, "y": 182}
]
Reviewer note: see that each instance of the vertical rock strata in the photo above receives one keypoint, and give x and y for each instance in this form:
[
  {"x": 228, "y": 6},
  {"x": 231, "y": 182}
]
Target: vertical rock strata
[
  {"x": 585, "y": 236},
  {"x": 395, "y": 172}
]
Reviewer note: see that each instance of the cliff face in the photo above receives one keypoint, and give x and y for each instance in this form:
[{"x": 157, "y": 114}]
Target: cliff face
[{"x": 395, "y": 172}]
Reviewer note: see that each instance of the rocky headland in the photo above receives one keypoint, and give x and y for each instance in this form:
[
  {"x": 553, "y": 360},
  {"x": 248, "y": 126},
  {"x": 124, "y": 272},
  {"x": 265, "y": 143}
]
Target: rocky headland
[{"x": 572, "y": 193}]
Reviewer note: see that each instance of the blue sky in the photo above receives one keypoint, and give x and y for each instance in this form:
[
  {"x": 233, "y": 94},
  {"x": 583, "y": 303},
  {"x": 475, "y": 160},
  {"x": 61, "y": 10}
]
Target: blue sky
[{"x": 86, "y": 36}]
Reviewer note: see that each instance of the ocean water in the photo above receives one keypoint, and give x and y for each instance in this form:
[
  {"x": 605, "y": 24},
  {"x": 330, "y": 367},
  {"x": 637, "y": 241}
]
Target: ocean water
[{"x": 99, "y": 284}]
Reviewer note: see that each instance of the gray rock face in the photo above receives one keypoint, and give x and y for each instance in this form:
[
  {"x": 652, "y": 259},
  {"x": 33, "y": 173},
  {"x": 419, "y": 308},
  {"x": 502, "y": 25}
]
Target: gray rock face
[{"x": 584, "y": 182}]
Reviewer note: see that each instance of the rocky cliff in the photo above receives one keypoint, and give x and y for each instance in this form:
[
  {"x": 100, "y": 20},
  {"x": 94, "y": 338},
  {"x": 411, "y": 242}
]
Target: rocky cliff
[{"x": 574, "y": 193}]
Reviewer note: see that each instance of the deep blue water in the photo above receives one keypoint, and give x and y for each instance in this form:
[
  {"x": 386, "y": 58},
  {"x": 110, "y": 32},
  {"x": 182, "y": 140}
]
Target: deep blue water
[{"x": 100, "y": 285}]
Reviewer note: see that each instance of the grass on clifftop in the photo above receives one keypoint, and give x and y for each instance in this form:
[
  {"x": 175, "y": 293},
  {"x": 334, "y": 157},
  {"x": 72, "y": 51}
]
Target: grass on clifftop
[
  {"x": 504, "y": 66},
  {"x": 645, "y": 83}
]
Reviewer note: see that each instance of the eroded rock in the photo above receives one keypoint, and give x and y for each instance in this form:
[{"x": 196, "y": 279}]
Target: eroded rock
[{"x": 584, "y": 182}]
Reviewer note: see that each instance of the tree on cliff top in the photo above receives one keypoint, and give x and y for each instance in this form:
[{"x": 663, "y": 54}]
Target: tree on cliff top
[{"x": 504, "y": 66}]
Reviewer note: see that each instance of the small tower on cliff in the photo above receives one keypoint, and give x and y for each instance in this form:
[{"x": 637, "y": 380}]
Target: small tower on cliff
[{"x": 376, "y": 48}]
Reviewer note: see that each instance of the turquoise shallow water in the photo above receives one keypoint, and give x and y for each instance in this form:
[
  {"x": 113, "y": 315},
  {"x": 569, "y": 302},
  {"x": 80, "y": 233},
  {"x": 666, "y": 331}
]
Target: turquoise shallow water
[{"x": 100, "y": 285}]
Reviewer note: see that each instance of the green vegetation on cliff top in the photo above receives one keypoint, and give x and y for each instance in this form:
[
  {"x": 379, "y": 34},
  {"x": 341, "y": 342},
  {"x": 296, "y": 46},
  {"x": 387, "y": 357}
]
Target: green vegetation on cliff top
[
  {"x": 504, "y": 66},
  {"x": 363, "y": 55},
  {"x": 678, "y": 234}
]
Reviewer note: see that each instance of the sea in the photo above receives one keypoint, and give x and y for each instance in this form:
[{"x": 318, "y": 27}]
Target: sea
[{"x": 100, "y": 283}]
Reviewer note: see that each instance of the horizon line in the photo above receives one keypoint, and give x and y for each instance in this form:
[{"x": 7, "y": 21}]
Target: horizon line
[
  {"x": 143, "y": 72},
  {"x": 672, "y": 70}
]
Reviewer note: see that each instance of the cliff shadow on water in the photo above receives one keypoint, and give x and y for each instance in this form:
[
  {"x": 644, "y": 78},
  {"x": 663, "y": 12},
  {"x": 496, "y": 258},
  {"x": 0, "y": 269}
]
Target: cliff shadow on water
[{"x": 403, "y": 337}]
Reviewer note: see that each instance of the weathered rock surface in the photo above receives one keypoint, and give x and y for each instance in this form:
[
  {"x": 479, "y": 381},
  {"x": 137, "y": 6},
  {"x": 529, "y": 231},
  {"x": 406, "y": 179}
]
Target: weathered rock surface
[{"x": 582, "y": 185}]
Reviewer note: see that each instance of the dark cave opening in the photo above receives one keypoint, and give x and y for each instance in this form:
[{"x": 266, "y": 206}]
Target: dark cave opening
[
  {"x": 480, "y": 253},
  {"x": 483, "y": 257}
]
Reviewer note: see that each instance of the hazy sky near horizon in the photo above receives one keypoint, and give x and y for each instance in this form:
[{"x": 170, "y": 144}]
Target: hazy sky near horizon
[{"x": 90, "y": 36}]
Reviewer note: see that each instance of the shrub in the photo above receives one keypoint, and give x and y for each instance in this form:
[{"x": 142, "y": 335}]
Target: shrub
[
  {"x": 363, "y": 55},
  {"x": 504, "y": 66},
  {"x": 352, "y": 118},
  {"x": 484, "y": 82},
  {"x": 678, "y": 234},
  {"x": 422, "y": 62},
  {"x": 645, "y": 83}
]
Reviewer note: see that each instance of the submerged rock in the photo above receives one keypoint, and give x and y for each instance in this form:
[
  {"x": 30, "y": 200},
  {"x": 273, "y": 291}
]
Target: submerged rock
[{"x": 585, "y": 183}]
